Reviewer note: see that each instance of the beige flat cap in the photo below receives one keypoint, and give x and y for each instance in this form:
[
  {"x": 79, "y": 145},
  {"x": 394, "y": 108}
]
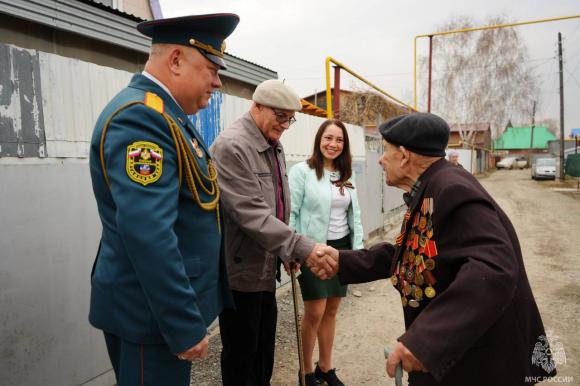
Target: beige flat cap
[{"x": 274, "y": 93}]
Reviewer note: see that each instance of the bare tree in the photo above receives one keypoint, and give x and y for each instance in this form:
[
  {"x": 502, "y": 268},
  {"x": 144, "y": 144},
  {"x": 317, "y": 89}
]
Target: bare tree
[{"x": 480, "y": 76}]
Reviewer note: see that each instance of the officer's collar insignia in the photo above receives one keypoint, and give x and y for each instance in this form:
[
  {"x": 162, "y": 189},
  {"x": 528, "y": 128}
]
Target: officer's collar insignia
[{"x": 144, "y": 162}]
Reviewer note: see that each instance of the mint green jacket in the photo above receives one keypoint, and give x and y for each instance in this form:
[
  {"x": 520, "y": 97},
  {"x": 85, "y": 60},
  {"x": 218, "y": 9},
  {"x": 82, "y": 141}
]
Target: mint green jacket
[{"x": 310, "y": 213}]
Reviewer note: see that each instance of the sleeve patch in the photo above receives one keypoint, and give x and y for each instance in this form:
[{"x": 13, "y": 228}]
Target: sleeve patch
[{"x": 144, "y": 162}]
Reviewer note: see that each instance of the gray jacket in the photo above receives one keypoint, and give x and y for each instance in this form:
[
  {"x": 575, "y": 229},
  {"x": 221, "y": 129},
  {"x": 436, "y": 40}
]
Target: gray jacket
[{"x": 254, "y": 236}]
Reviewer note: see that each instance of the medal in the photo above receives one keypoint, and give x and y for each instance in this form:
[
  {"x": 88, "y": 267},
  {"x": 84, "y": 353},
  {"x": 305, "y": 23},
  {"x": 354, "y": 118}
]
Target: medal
[
  {"x": 430, "y": 292},
  {"x": 419, "y": 279},
  {"x": 430, "y": 264},
  {"x": 394, "y": 280},
  {"x": 404, "y": 301},
  {"x": 197, "y": 148},
  {"x": 413, "y": 303},
  {"x": 410, "y": 274},
  {"x": 418, "y": 293},
  {"x": 422, "y": 223}
]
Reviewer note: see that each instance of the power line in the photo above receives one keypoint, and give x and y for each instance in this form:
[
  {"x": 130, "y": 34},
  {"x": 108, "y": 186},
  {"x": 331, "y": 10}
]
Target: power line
[{"x": 572, "y": 75}]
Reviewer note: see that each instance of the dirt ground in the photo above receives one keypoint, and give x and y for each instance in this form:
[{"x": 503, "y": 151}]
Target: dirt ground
[{"x": 546, "y": 216}]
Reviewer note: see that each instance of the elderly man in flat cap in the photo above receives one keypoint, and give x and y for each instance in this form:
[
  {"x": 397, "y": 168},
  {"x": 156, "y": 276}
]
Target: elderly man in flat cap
[
  {"x": 470, "y": 315},
  {"x": 256, "y": 201},
  {"x": 159, "y": 278}
]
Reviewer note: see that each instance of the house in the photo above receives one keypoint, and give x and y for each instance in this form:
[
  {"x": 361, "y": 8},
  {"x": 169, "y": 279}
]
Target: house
[
  {"x": 477, "y": 138},
  {"x": 367, "y": 109},
  {"x": 470, "y": 135},
  {"x": 518, "y": 140}
]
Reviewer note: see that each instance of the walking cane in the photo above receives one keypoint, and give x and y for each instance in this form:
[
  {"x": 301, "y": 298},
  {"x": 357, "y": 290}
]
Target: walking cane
[{"x": 297, "y": 324}]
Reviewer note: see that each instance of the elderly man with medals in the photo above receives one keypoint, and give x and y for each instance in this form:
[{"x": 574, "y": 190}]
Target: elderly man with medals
[{"x": 470, "y": 315}]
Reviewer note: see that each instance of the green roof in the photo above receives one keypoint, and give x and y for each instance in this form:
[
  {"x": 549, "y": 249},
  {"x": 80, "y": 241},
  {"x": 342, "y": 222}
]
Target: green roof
[{"x": 519, "y": 138}]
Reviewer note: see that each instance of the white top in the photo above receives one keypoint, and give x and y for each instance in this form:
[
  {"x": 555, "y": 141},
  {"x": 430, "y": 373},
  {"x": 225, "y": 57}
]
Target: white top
[{"x": 338, "y": 225}]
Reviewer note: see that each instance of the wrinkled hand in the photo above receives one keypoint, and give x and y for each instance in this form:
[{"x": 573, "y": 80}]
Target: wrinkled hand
[
  {"x": 287, "y": 267},
  {"x": 198, "y": 351},
  {"x": 401, "y": 354},
  {"x": 323, "y": 261}
]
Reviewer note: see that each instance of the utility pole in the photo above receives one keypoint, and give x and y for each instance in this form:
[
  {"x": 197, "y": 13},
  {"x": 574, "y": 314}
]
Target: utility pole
[
  {"x": 561, "y": 61},
  {"x": 532, "y": 136}
]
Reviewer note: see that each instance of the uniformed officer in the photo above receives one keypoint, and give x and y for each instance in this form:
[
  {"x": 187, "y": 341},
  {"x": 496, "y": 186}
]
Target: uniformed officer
[{"x": 159, "y": 278}]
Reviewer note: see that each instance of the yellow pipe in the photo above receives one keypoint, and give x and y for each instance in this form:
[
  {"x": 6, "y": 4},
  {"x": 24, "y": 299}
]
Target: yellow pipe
[
  {"x": 415, "y": 73},
  {"x": 471, "y": 30},
  {"x": 329, "y": 112}
]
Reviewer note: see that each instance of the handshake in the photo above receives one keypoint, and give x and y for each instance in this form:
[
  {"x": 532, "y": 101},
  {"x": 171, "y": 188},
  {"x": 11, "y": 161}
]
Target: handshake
[{"x": 323, "y": 261}]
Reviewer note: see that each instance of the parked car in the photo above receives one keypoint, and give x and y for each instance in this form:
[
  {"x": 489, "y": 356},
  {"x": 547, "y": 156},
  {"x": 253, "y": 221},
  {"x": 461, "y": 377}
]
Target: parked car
[
  {"x": 521, "y": 162},
  {"x": 512, "y": 163},
  {"x": 506, "y": 163},
  {"x": 544, "y": 168}
]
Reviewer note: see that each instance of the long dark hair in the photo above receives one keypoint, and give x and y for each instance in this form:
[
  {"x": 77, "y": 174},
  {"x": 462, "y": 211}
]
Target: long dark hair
[{"x": 342, "y": 163}]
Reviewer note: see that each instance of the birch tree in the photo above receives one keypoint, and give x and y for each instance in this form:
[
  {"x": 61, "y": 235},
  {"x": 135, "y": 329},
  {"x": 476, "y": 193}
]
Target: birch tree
[{"x": 481, "y": 76}]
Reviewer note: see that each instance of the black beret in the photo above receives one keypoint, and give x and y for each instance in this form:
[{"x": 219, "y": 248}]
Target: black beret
[
  {"x": 205, "y": 32},
  {"x": 421, "y": 133}
]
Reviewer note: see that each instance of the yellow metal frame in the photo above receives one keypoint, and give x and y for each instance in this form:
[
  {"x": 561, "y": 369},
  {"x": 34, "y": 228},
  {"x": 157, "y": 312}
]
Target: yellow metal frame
[
  {"x": 329, "y": 112},
  {"x": 471, "y": 30}
]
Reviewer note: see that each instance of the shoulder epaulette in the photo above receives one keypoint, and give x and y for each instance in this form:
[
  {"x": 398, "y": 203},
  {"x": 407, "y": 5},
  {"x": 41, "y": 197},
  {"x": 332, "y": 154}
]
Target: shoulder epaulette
[{"x": 154, "y": 101}]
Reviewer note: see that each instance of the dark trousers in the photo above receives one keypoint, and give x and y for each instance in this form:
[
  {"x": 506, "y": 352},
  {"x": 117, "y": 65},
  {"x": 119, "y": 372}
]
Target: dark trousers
[
  {"x": 146, "y": 364},
  {"x": 248, "y": 336}
]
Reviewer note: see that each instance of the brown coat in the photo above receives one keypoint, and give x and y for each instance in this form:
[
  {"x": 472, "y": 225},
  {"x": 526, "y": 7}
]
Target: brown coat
[
  {"x": 482, "y": 323},
  {"x": 254, "y": 236}
]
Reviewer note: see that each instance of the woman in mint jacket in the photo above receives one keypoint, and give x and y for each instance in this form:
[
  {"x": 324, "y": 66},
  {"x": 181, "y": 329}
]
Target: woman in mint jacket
[{"x": 325, "y": 208}]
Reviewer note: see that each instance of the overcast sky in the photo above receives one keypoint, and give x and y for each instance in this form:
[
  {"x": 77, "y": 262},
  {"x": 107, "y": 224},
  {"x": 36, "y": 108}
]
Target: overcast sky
[{"x": 375, "y": 39}]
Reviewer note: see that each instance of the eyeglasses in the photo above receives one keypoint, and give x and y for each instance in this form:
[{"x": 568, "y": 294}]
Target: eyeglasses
[{"x": 282, "y": 118}]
